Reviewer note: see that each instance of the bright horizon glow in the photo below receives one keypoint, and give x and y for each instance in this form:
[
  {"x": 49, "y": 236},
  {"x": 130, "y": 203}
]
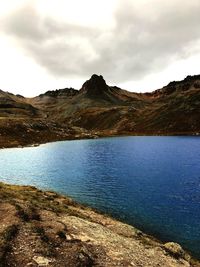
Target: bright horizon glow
[{"x": 24, "y": 70}]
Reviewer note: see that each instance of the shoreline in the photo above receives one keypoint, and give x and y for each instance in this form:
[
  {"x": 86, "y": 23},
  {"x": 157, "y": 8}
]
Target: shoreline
[
  {"x": 49, "y": 205},
  {"x": 83, "y": 205},
  {"x": 17, "y": 144}
]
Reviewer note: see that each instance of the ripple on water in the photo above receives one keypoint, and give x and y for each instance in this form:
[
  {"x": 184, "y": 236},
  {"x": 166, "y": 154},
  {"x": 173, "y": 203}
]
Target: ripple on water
[{"x": 150, "y": 182}]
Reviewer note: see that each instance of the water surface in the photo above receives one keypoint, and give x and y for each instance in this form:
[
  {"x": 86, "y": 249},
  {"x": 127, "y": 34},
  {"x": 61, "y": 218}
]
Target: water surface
[{"x": 150, "y": 182}]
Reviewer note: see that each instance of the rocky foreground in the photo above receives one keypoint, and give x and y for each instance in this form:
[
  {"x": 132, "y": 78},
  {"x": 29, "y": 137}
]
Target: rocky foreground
[{"x": 46, "y": 229}]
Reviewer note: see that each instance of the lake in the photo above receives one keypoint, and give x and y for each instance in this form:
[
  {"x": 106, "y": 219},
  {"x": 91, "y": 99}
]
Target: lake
[{"x": 152, "y": 183}]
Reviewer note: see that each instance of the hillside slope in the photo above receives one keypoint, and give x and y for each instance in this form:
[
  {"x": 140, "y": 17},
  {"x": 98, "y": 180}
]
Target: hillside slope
[
  {"x": 98, "y": 109},
  {"x": 46, "y": 229},
  {"x": 174, "y": 109}
]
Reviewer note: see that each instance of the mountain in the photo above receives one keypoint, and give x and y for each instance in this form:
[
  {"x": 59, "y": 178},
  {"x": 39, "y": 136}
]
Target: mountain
[
  {"x": 176, "y": 107},
  {"x": 98, "y": 109},
  {"x": 96, "y": 106},
  {"x": 11, "y": 105}
]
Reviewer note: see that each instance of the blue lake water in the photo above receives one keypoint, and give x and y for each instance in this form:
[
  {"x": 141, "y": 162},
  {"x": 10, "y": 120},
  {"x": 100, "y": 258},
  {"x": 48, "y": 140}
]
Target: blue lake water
[{"x": 150, "y": 182}]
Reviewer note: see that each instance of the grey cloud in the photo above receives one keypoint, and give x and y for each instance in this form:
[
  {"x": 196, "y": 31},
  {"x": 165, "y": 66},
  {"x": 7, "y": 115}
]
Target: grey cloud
[
  {"x": 25, "y": 25},
  {"x": 141, "y": 42}
]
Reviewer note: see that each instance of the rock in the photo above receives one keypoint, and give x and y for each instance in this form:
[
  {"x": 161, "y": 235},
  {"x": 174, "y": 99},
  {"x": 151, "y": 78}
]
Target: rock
[
  {"x": 176, "y": 250},
  {"x": 41, "y": 261},
  {"x": 96, "y": 86},
  {"x": 60, "y": 93},
  {"x": 85, "y": 259}
]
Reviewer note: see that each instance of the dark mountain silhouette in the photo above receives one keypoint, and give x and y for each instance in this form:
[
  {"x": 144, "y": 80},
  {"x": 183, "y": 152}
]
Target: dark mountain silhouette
[{"x": 95, "y": 87}]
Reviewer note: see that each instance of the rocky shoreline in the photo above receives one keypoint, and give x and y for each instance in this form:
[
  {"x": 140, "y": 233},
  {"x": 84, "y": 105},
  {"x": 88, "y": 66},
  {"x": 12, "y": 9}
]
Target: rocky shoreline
[
  {"x": 40, "y": 228},
  {"x": 39, "y": 139}
]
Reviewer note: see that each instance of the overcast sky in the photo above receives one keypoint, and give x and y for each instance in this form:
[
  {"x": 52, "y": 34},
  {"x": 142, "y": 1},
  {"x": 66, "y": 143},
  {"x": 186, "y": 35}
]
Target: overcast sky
[{"x": 139, "y": 45}]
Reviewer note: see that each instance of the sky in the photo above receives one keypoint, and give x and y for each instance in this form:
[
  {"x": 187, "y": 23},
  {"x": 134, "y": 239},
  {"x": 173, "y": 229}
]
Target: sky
[{"x": 138, "y": 45}]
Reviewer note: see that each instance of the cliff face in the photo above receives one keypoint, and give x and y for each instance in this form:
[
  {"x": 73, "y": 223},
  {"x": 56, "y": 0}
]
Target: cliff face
[
  {"x": 98, "y": 109},
  {"x": 95, "y": 87},
  {"x": 46, "y": 229}
]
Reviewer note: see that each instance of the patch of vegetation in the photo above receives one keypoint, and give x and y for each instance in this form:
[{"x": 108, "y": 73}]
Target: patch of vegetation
[
  {"x": 10, "y": 232},
  {"x": 49, "y": 244},
  {"x": 27, "y": 214},
  {"x": 5, "y": 243},
  {"x": 41, "y": 232},
  {"x": 32, "y": 199},
  {"x": 21, "y": 213}
]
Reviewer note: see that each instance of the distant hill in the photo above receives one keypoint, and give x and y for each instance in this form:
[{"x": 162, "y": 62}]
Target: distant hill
[
  {"x": 98, "y": 109},
  {"x": 15, "y": 106}
]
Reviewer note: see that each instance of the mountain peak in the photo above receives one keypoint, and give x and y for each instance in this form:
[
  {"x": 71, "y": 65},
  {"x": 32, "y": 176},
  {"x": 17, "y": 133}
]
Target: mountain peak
[
  {"x": 96, "y": 77},
  {"x": 95, "y": 86}
]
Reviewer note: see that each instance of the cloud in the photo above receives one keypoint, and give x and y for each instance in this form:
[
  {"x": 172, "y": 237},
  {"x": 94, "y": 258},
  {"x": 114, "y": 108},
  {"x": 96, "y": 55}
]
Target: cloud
[{"x": 146, "y": 37}]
